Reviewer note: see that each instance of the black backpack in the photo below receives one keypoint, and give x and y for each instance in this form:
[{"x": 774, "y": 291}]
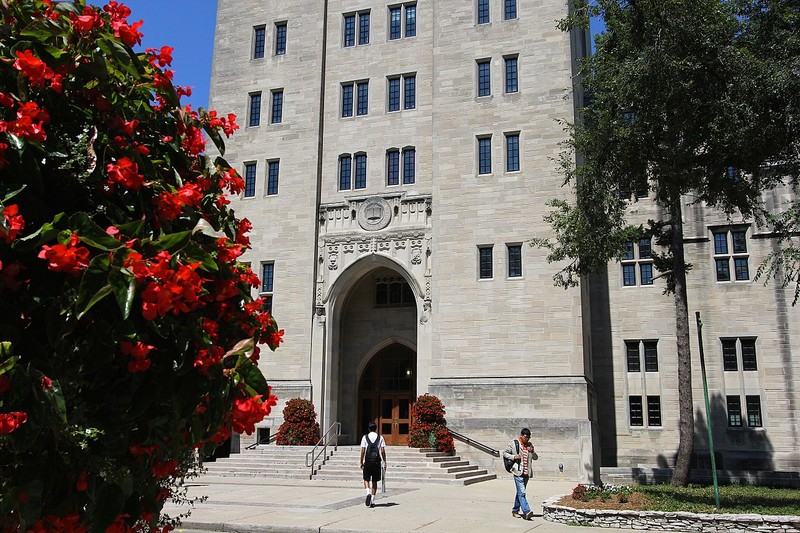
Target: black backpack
[
  {"x": 509, "y": 463},
  {"x": 373, "y": 454}
]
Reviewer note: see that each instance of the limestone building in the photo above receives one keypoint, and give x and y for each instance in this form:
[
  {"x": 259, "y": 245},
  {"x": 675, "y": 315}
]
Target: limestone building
[{"x": 397, "y": 159}]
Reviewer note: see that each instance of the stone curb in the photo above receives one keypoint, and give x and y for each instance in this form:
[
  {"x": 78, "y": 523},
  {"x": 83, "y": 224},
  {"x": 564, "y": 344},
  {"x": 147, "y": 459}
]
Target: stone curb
[{"x": 668, "y": 521}]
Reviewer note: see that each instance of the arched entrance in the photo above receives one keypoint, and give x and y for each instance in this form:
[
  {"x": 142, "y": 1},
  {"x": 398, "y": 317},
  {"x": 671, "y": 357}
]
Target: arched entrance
[{"x": 386, "y": 391}]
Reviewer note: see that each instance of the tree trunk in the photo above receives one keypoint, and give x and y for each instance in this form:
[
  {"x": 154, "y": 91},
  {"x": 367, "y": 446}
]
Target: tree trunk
[{"x": 685, "y": 404}]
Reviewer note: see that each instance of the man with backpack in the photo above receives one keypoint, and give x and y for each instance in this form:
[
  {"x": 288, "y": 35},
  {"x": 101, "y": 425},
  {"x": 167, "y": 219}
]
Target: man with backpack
[
  {"x": 517, "y": 458},
  {"x": 373, "y": 447}
]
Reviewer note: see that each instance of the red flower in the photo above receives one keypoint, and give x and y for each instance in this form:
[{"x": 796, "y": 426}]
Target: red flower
[
  {"x": 232, "y": 181},
  {"x": 12, "y": 421},
  {"x": 162, "y": 57},
  {"x": 119, "y": 525},
  {"x": 34, "y": 68},
  {"x": 129, "y": 34},
  {"x": 126, "y": 173},
  {"x": 275, "y": 338},
  {"x": 246, "y": 413},
  {"x": 66, "y": 257},
  {"x": 70, "y": 523},
  {"x": 29, "y": 123},
  {"x": 164, "y": 469},
  {"x": 89, "y": 20},
  {"x": 138, "y": 352},
  {"x": 81, "y": 484},
  {"x": 194, "y": 143},
  {"x": 47, "y": 383},
  {"x": 9, "y": 275},
  {"x": 13, "y": 223}
]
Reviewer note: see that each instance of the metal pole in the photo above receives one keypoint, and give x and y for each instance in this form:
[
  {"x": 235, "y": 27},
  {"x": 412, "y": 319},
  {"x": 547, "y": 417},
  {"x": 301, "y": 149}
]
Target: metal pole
[{"x": 708, "y": 408}]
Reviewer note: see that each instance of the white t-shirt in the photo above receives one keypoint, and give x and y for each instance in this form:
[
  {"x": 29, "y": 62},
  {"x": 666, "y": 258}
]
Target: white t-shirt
[{"x": 372, "y": 436}]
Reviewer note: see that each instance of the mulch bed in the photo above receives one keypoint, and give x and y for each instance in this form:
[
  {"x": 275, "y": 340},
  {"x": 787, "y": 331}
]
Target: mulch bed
[{"x": 635, "y": 502}]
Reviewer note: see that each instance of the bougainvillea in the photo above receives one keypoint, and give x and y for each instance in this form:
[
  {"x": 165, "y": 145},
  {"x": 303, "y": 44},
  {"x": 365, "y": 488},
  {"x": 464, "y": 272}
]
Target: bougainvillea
[
  {"x": 300, "y": 426},
  {"x": 129, "y": 339},
  {"x": 428, "y": 425}
]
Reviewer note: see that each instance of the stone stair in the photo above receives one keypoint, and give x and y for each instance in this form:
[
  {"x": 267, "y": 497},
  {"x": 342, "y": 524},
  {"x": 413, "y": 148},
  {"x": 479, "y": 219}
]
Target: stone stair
[{"x": 404, "y": 465}]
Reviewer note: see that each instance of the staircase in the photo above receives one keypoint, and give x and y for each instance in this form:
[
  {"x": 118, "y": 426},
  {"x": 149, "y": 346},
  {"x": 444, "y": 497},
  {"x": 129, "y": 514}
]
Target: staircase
[{"x": 405, "y": 465}]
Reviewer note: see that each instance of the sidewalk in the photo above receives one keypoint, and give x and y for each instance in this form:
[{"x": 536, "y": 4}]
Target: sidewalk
[{"x": 245, "y": 505}]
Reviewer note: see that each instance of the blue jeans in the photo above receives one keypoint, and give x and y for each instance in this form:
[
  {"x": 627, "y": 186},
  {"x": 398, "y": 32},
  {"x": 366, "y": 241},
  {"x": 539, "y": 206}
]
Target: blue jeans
[{"x": 520, "y": 501}]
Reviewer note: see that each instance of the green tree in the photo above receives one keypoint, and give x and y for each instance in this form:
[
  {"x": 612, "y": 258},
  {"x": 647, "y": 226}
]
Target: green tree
[
  {"x": 681, "y": 108},
  {"x": 128, "y": 334}
]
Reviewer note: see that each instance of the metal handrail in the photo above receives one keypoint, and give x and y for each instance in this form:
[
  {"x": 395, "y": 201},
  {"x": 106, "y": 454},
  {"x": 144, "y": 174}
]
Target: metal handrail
[
  {"x": 313, "y": 455},
  {"x": 270, "y": 440},
  {"x": 482, "y": 447}
]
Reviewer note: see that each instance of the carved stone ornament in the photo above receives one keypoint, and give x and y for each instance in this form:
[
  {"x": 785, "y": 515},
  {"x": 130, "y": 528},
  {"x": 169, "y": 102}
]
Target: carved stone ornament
[{"x": 374, "y": 214}]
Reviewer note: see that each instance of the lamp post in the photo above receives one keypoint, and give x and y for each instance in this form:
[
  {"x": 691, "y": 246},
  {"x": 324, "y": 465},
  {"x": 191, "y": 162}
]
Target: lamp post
[{"x": 708, "y": 409}]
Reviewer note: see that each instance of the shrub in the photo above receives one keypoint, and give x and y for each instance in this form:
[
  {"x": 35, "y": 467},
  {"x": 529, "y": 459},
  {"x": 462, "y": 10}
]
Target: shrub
[
  {"x": 428, "y": 426},
  {"x": 300, "y": 427},
  {"x": 128, "y": 334}
]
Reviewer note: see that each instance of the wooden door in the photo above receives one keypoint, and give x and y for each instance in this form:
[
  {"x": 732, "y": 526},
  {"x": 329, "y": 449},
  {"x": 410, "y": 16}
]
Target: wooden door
[{"x": 395, "y": 418}]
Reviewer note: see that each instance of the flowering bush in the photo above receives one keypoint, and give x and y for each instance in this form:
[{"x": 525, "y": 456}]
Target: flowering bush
[
  {"x": 128, "y": 334},
  {"x": 300, "y": 426},
  {"x": 428, "y": 425}
]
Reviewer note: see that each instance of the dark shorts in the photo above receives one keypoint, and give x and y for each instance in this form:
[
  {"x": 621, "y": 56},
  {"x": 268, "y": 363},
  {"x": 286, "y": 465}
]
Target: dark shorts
[{"x": 372, "y": 473}]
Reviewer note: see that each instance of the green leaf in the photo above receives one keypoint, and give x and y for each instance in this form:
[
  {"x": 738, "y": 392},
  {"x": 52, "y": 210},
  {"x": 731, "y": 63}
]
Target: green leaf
[
  {"x": 91, "y": 233},
  {"x": 253, "y": 377},
  {"x": 9, "y": 363},
  {"x": 214, "y": 135},
  {"x": 42, "y": 30},
  {"x": 195, "y": 253},
  {"x": 107, "y": 506},
  {"x": 173, "y": 242},
  {"x": 124, "y": 287},
  {"x": 94, "y": 285},
  {"x": 47, "y": 232},
  {"x": 12, "y": 193}
]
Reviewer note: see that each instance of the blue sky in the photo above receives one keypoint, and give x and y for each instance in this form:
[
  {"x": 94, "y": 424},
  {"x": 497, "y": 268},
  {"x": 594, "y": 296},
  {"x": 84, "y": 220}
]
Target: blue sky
[{"x": 188, "y": 26}]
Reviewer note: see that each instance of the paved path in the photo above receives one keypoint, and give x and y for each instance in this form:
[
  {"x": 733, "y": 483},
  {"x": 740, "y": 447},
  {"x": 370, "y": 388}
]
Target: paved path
[{"x": 250, "y": 505}]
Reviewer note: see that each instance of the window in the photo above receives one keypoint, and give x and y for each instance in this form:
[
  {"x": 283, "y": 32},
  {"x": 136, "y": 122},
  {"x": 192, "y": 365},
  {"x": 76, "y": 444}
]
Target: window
[
  {"x": 259, "y": 40},
  {"x": 409, "y": 89},
  {"x": 731, "y": 245},
  {"x": 512, "y": 85},
  {"x": 635, "y": 348},
  {"x": 347, "y": 100},
  {"x": 654, "y": 410},
  {"x": 635, "y": 408},
  {"x": 644, "y": 261},
  {"x": 277, "y": 106},
  {"x": 255, "y": 109},
  {"x": 734, "y": 411},
  {"x": 363, "y": 28},
  {"x": 650, "y": 356},
  {"x": 483, "y": 11},
  {"x": 280, "y": 38},
  {"x": 392, "y": 167},
  {"x": 363, "y": 98},
  {"x": 753, "y": 411},
  {"x": 484, "y": 155},
  {"x": 409, "y": 92},
  {"x": 632, "y": 352},
  {"x": 512, "y": 152},
  {"x": 345, "y": 162},
  {"x": 361, "y": 171},
  {"x": 273, "y": 169},
  {"x": 267, "y": 281},
  {"x": 746, "y": 347},
  {"x": 484, "y": 78},
  {"x": 409, "y": 165},
  {"x": 249, "y": 180},
  {"x": 485, "y": 262},
  {"x": 394, "y": 94},
  {"x": 402, "y": 26},
  {"x": 393, "y": 292},
  {"x": 349, "y": 37},
  {"x": 514, "y": 261},
  {"x": 510, "y": 9}
]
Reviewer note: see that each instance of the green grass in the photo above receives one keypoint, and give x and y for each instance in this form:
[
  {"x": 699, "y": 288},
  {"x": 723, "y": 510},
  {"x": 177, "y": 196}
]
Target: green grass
[{"x": 733, "y": 499}]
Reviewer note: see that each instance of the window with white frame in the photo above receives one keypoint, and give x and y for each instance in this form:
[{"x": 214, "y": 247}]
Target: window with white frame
[
  {"x": 259, "y": 41},
  {"x": 254, "y": 114},
  {"x": 510, "y": 9},
  {"x": 355, "y": 28},
  {"x": 273, "y": 170},
  {"x": 250, "y": 180},
  {"x": 401, "y": 89},
  {"x": 512, "y": 75},
  {"x": 514, "y": 260},
  {"x": 637, "y": 263},
  {"x": 345, "y": 168},
  {"x": 753, "y": 414},
  {"x": 730, "y": 251},
  {"x": 280, "y": 38},
  {"x": 636, "y": 411},
  {"x": 485, "y": 154},
  {"x": 637, "y": 351},
  {"x": 484, "y": 74},
  {"x": 485, "y": 262},
  {"x": 739, "y": 349},
  {"x": 402, "y": 21},
  {"x": 277, "y": 107},
  {"x": 482, "y": 11}
]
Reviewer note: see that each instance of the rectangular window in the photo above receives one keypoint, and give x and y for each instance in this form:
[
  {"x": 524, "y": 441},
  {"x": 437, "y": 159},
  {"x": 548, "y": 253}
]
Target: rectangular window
[
  {"x": 409, "y": 166},
  {"x": 409, "y": 92},
  {"x": 267, "y": 280},
  {"x": 345, "y": 163},
  {"x": 629, "y": 275},
  {"x": 395, "y": 23},
  {"x": 645, "y": 248},
  {"x": 749, "y": 354},
  {"x": 627, "y": 250},
  {"x": 277, "y": 106},
  {"x": 650, "y": 356},
  {"x": 741, "y": 268},
  {"x": 654, "y": 410},
  {"x": 729, "y": 363},
  {"x": 280, "y": 38},
  {"x": 411, "y": 20},
  {"x": 484, "y": 78},
  {"x": 349, "y": 30},
  {"x": 512, "y": 152},
  {"x": 723, "y": 269},
  {"x": 644, "y": 260},
  {"x": 483, "y": 11},
  {"x": 731, "y": 246},
  {"x": 734, "y": 411},
  {"x": 646, "y": 273},
  {"x": 255, "y": 110},
  {"x": 363, "y": 28},
  {"x": 510, "y": 9},
  {"x": 514, "y": 261},
  {"x": 393, "y": 167},
  {"x": 394, "y": 94},
  {"x": 635, "y": 406},
  {"x": 754, "y": 411},
  {"x": 511, "y": 75},
  {"x": 721, "y": 243},
  {"x": 347, "y": 100},
  {"x": 632, "y": 355},
  {"x": 363, "y": 98},
  {"x": 361, "y": 171},
  {"x": 249, "y": 180},
  {"x": 273, "y": 169},
  {"x": 485, "y": 263},
  {"x": 485, "y": 155},
  {"x": 259, "y": 41}
]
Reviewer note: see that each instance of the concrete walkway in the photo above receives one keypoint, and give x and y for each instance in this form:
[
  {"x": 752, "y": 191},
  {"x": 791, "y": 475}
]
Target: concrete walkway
[{"x": 242, "y": 505}]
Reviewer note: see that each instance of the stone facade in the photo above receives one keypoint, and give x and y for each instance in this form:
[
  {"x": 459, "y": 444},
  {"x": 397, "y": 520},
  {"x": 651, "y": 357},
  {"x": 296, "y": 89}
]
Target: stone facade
[{"x": 502, "y": 348}]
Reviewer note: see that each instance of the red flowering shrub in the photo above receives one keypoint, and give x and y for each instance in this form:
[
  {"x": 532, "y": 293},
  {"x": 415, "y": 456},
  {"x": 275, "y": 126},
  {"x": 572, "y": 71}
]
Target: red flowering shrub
[
  {"x": 129, "y": 338},
  {"x": 428, "y": 425},
  {"x": 300, "y": 426}
]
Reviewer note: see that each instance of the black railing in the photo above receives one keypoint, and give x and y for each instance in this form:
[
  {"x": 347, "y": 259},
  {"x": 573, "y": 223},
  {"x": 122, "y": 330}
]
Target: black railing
[
  {"x": 270, "y": 440},
  {"x": 475, "y": 444}
]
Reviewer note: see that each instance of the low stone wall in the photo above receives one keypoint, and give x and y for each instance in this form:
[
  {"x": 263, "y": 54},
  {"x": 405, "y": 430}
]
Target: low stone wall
[{"x": 663, "y": 521}]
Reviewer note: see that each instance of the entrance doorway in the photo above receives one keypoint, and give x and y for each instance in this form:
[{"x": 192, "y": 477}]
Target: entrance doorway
[{"x": 386, "y": 392}]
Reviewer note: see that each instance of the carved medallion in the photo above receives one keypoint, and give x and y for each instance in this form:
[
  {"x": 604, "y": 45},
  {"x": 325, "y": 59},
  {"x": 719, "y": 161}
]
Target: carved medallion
[{"x": 374, "y": 214}]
